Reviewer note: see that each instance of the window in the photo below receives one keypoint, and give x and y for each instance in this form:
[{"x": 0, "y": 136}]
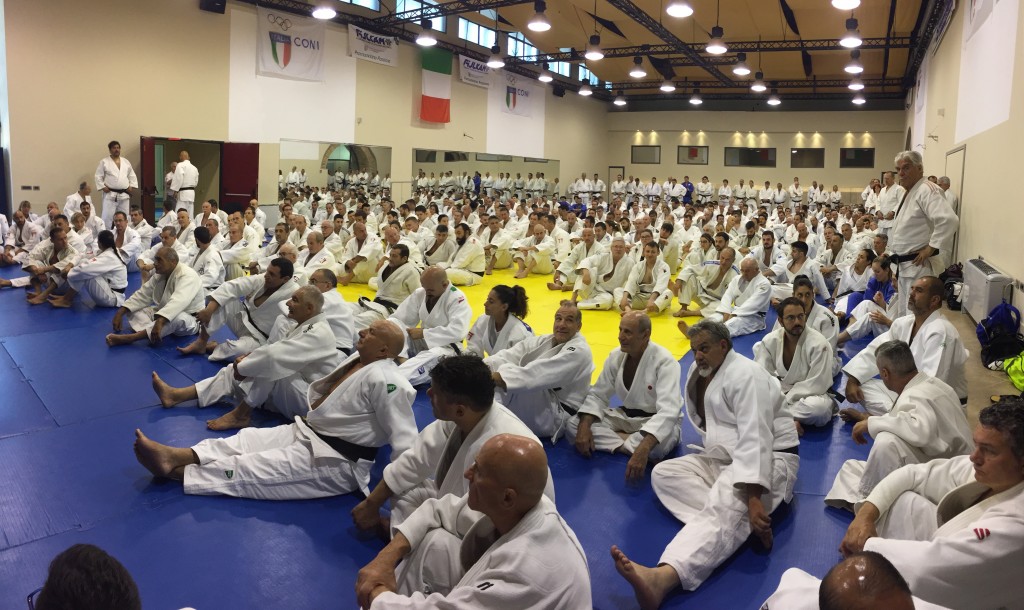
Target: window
[
  {"x": 856, "y": 157},
  {"x": 692, "y": 155},
  {"x": 490, "y": 13},
  {"x": 519, "y": 47},
  {"x": 455, "y": 157},
  {"x": 438, "y": 23},
  {"x": 425, "y": 156},
  {"x": 475, "y": 33},
  {"x": 807, "y": 157},
  {"x": 373, "y": 5},
  {"x": 489, "y": 158},
  {"x": 749, "y": 157},
  {"x": 585, "y": 73},
  {"x": 561, "y": 67},
  {"x": 645, "y": 155}
]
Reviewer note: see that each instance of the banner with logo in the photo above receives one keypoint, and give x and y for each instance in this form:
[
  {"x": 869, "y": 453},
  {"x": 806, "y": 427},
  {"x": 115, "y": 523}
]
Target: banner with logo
[
  {"x": 289, "y": 46},
  {"x": 371, "y": 46},
  {"x": 518, "y": 93},
  {"x": 474, "y": 72}
]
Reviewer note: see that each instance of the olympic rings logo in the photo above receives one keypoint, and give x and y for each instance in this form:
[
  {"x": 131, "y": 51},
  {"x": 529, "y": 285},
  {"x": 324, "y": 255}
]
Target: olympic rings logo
[{"x": 281, "y": 22}]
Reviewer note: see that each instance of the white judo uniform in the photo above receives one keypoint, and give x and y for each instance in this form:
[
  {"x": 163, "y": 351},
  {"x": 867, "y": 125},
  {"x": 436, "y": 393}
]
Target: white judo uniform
[
  {"x": 698, "y": 287},
  {"x": 640, "y": 291},
  {"x": 467, "y": 264},
  {"x": 174, "y": 297},
  {"x": 806, "y": 381},
  {"x": 541, "y": 257},
  {"x": 651, "y": 404},
  {"x": 393, "y": 287},
  {"x": 606, "y": 276},
  {"x": 444, "y": 328},
  {"x": 938, "y": 351},
  {"x": 923, "y": 218},
  {"x": 798, "y": 590},
  {"x": 371, "y": 250},
  {"x": 748, "y": 304},
  {"x": 485, "y": 340},
  {"x": 250, "y": 323},
  {"x": 327, "y": 453},
  {"x": 500, "y": 242},
  {"x": 952, "y": 547},
  {"x": 277, "y": 373},
  {"x": 436, "y": 463},
  {"x": 546, "y": 384},
  {"x": 574, "y": 260},
  {"x": 118, "y": 177},
  {"x": 103, "y": 278},
  {"x": 210, "y": 268},
  {"x": 785, "y": 273},
  {"x": 925, "y": 423},
  {"x": 539, "y": 563},
  {"x": 748, "y": 438}
]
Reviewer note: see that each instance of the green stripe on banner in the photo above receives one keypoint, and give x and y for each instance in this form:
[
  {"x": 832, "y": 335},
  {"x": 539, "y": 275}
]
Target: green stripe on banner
[{"x": 437, "y": 60}]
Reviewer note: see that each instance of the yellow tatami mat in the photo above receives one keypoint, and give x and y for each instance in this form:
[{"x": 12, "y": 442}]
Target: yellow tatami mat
[{"x": 601, "y": 328}]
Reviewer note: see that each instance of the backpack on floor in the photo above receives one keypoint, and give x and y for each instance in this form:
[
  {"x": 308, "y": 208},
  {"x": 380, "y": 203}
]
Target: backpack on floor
[
  {"x": 953, "y": 294},
  {"x": 1014, "y": 367},
  {"x": 998, "y": 334}
]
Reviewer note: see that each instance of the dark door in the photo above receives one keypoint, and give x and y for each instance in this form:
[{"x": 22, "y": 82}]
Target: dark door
[
  {"x": 239, "y": 175},
  {"x": 147, "y": 177}
]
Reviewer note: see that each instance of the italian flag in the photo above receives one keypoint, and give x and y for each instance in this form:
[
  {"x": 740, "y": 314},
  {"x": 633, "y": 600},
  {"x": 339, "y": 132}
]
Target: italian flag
[{"x": 436, "y": 103}]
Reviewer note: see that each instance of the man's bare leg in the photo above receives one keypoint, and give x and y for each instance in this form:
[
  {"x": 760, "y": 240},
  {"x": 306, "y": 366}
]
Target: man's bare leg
[
  {"x": 239, "y": 417},
  {"x": 65, "y": 300},
  {"x": 170, "y": 396},
  {"x": 116, "y": 339},
  {"x": 345, "y": 278},
  {"x": 5, "y": 283},
  {"x": 650, "y": 585},
  {"x": 161, "y": 460},
  {"x": 41, "y": 296},
  {"x": 199, "y": 346},
  {"x": 35, "y": 287},
  {"x": 522, "y": 269}
]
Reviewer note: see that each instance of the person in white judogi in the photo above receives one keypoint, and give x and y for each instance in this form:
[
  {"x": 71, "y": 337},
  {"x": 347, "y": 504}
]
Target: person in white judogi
[
  {"x": 727, "y": 491},
  {"x": 599, "y": 276},
  {"x": 468, "y": 262},
  {"x": 566, "y": 272},
  {"x": 206, "y": 262},
  {"x": 954, "y": 528},
  {"x": 533, "y": 253},
  {"x": 520, "y": 553},
  {"x": 168, "y": 239},
  {"x": 646, "y": 288},
  {"x": 236, "y": 251},
  {"x": 276, "y": 374},
  {"x": 249, "y": 306},
  {"x": 164, "y": 305},
  {"x": 799, "y": 263},
  {"x": 862, "y": 580},
  {"x": 925, "y": 423},
  {"x": 436, "y": 318},
  {"x": 73, "y": 203},
  {"x": 47, "y": 266},
  {"x": 314, "y": 257},
  {"x": 801, "y": 359},
  {"x": 707, "y": 286},
  {"x": 116, "y": 179},
  {"x": 362, "y": 253},
  {"x": 336, "y": 310},
  {"x": 938, "y": 350},
  {"x": 395, "y": 281},
  {"x": 21, "y": 238},
  {"x": 360, "y": 406},
  {"x": 103, "y": 277},
  {"x": 184, "y": 183},
  {"x": 767, "y": 254},
  {"x": 645, "y": 376},
  {"x": 496, "y": 242},
  {"x": 544, "y": 380},
  {"x": 922, "y": 233},
  {"x": 501, "y": 325},
  {"x": 462, "y": 398},
  {"x": 745, "y": 301}
]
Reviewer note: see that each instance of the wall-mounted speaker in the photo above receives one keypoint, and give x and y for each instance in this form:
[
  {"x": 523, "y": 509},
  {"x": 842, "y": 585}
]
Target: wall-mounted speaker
[
  {"x": 214, "y": 6},
  {"x": 558, "y": 91}
]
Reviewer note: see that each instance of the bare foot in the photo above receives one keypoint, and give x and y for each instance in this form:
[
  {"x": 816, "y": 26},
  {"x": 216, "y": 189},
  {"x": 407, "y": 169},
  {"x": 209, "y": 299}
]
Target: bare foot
[
  {"x": 39, "y": 299},
  {"x": 196, "y": 347},
  {"x": 554, "y": 285},
  {"x": 116, "y": 339},
  {"x": 683, "y": 312},
  {"x": 644, "y": 580},
  {"x": 231, "y": 420},
  {"x": 520, "y": 275},
  {"x": 566, "y": 287},
  {"x": 852, "y": 415},
  {"x": 683, "y": 326},
  {"x": 154, "y": 456},
  {"x": 60, "y": 302},
  {"x": 767, "y": 538},
  {"x": 4, "y": 283},
  {"x": 489, "y": 272},
  {"x": 163, "y": 391},
  {"x": 210, "y": 346},
  {"x": 653, "y": 310}
]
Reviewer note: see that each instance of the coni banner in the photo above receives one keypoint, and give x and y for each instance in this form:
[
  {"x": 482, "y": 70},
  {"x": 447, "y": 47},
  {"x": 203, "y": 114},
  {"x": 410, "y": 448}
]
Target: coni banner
[{"x": 290, "y": 47}]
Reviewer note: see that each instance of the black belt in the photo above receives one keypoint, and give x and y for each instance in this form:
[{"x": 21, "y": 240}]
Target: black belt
[
  {"x": 477, "y": 273},
  {"x": 568, "y": 409},
  {"x": 120, "y": 290},
  {"x": 187, "y": 188},
  {"x": 118, "y": 191},
  {"x": 794, "y": 450},
  {"x": 902, "y": 258},
  {"x": 636, "y": 412},
  {"x": 349, "y": 451},
  {"x": 391, "y": 307}
]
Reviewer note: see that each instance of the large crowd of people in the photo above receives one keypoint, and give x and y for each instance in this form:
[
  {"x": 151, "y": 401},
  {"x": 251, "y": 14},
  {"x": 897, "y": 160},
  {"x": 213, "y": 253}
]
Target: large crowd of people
[{"x": 472, "y": 519}]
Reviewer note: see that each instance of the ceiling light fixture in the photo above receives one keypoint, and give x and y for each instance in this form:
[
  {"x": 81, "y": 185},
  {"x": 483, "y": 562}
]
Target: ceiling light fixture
[
  {"x": 715, "y": 45},
  {"x": 695, "y": 98},
  {"x": 638, "y": 68},
  {"x": 741, "y": 68},
  {"x": 668, "y": 86},
  {"x": 846, "y": 5},
  {"x": 679, "y": 8},
  {"x": 594, "y": 52},
  {"x": 859, "y": 99},
  {"x": 758, "y": 85},
  {"x": 545, "y": 76},
  {"x": 620, "y": 99},
  {"x": 856, "y": 85},
  {"x": 324, "y": 12},
  {"x": 773, "y": 99},
  {"x": 851, "y": 39},
  {"x": 426, "y": 37},
  {"x": 854, "y": 67},
  {"x": 495, "y": 61},
  {"x": 585, "y": 90},
  {"x": 539, "y": 22}
]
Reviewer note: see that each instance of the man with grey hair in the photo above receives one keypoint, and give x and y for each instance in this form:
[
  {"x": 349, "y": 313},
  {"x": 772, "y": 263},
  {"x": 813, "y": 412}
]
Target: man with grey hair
[
  {"x": 747, "y": 468},
  {"x": 926, "y": 423},
  {"x": 336, "y": 310},
  {"x": 73, "y": 203},
  {"x": 923, "y": 227},
  {"x": 951, "y": 198},
  {"x": 600, "y": 275},
  {"x": 276, "y": 374}
]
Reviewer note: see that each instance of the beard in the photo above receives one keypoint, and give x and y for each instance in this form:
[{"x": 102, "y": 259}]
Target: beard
[
  {"x": 705, "y": 371},
  {"x": 461, "y": 242}
]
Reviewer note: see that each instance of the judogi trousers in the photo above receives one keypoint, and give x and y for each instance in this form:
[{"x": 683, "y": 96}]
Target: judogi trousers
[
  {"x": 183, "y": 324},
  {"x": 542, "y": 264},
  {"x": 639, "y": 300},
  {"x": 230, "y": 314},
  {"x": 857, "y": 478},
  {"x": 538, "y": 409},
  {"x": 417, "y": 368},
  {"x": 740, "y": 325},
  {"x": 462, "y": 277},
  {"x": 434, "y": 566},
  {"x": 97, "y": 289},
  {"x": 606, "y": 434},
  {"x": 813, "y": 410},
  {"x": 286, "y": 396}
]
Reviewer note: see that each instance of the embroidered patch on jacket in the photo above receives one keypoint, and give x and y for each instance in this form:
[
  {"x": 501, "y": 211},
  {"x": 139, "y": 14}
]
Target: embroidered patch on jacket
[
  {"x": 982, "y": 533},
  {"x": 229, "y": 473},
  {"x": 392, "y": 387}
]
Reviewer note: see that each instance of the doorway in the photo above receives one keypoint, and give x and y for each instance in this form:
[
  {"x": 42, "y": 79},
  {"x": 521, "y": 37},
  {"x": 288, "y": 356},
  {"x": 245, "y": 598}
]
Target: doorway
[
  {"x": 613, "y": 172},
  {"x": 956, "y": 160}
]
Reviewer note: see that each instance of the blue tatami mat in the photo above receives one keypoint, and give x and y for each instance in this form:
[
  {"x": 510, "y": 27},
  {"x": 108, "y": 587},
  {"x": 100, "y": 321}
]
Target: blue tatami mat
[{"x": 21, "y": 410}]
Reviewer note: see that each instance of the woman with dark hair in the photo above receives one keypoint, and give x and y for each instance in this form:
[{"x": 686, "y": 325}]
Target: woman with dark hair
[
  {"x": 852, "y": 283},
  {"x": 875, "y": 313},
  {"x": 501, "y": 324}
]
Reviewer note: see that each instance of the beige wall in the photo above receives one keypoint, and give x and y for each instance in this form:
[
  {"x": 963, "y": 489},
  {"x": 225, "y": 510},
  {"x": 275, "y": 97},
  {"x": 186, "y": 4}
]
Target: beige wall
[
  {"x": 832, "y": 131},
  {"x": 990, "y": 222}
]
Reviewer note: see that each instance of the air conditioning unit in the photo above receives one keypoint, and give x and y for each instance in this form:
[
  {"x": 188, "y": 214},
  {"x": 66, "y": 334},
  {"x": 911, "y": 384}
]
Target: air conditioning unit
[{"x": 984, "y": 288}]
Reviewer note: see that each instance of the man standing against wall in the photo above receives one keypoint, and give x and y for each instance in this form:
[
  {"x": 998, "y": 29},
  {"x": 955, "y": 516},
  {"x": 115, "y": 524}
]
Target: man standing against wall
[
  {"x": 183, "y": 185},
  {"x": 116, "y": 179}
]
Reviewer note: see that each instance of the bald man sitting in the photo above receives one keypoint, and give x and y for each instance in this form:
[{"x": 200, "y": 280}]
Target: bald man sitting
[
  {"x": 360, "y": 406},
  {"x": 520, "y": 554},
  {"x": 164, "y": 305},
  {"x": 275, "y": 375}
]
